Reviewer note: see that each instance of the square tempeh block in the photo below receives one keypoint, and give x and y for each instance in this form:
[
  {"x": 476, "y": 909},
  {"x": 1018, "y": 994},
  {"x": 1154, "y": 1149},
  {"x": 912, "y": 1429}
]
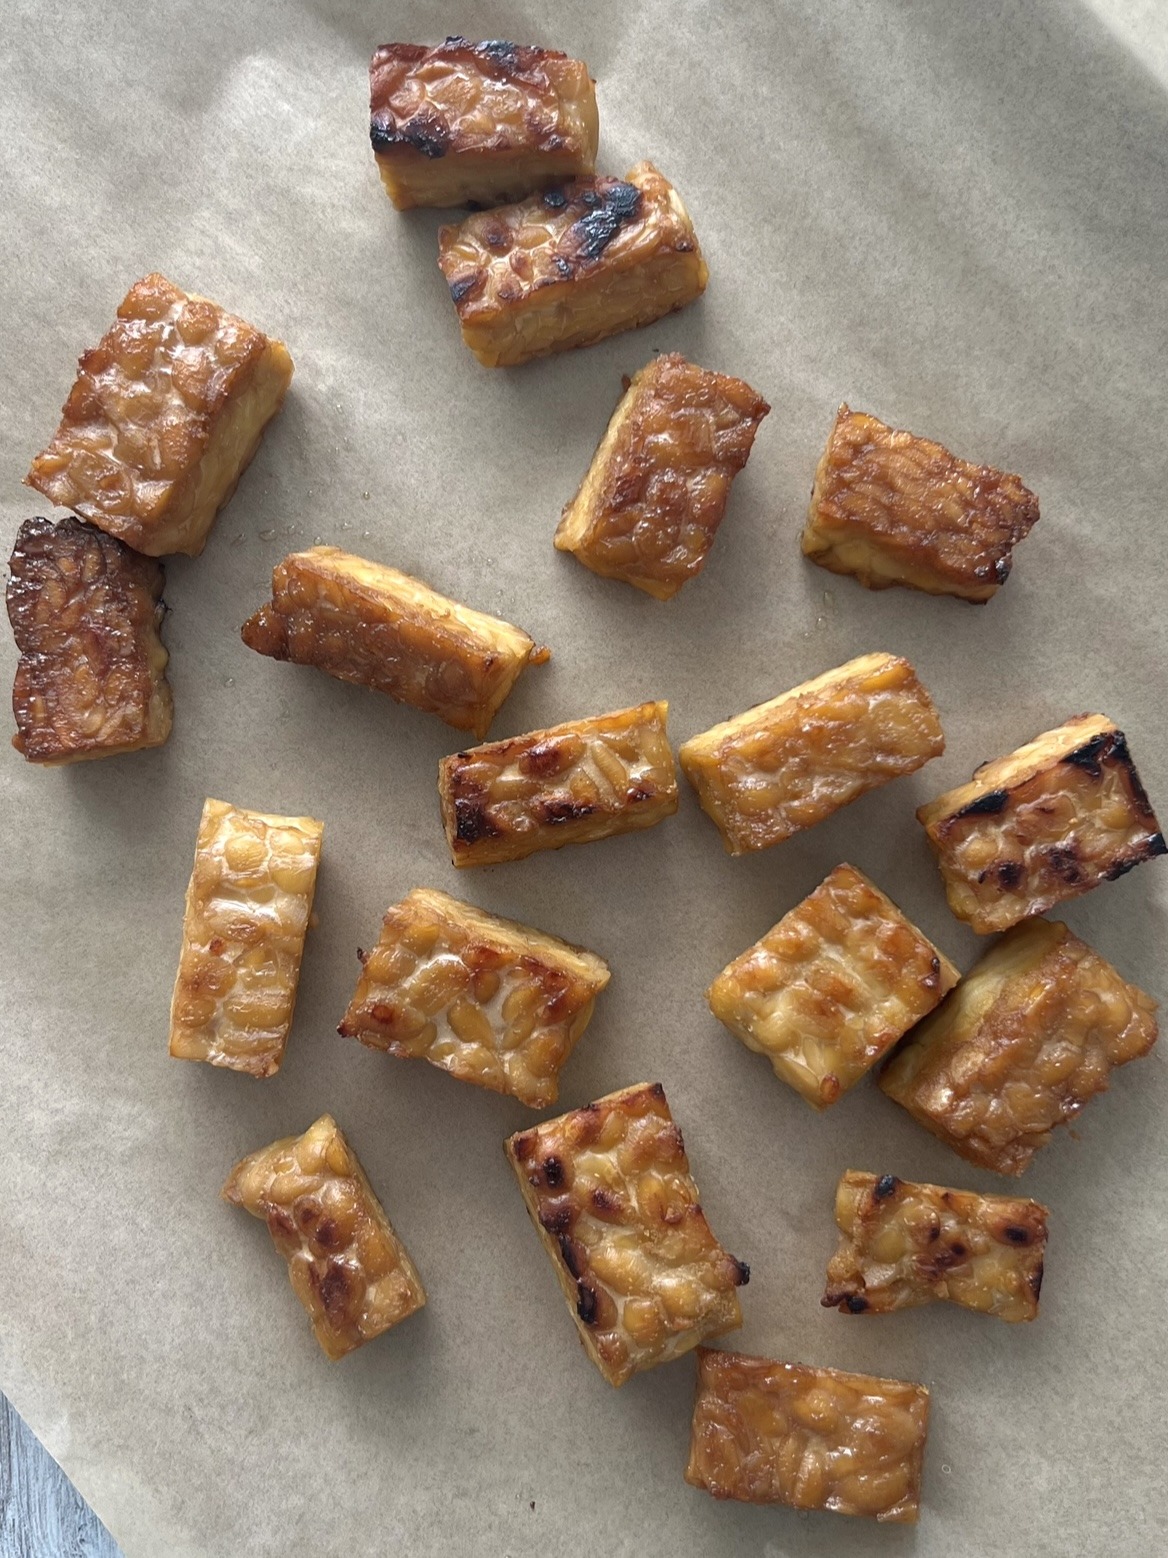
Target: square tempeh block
[
  {"x": 831, "y": 988},
  {"x": 610, "y": 1192}
]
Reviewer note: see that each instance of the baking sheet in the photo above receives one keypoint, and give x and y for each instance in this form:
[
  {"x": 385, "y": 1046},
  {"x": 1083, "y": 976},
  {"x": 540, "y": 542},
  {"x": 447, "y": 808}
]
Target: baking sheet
[{"x": 951, "y": 215}]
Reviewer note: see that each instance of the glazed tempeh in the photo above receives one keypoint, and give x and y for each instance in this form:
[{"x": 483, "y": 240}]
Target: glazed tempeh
[
  {"x": 830, "y": 989},
  {"x": 490, "y": 1001},
  {"x": 165, "y": 414},
  {"x": 784, "y": 1433},
  {"x": 366, "y": 623},
  {"x": 612, "y": 1198},
  {"x": 247, "y": 913},
  {"x": 651, "y": 503},
  {"x": 347, "y": 1266},
  {"x": 571, "y": 266},
  {"x": 1028, "y": 1037},
  {"x": 85, "y": 612},
  {"x": 891, "y": 508},
  {"x": 461, "y": 123},
  {"x": 586, "y": 779},
  {"x": 787, "y": 764},
  {"x": 903, "y": 1244},
  {"x": 1045, "y": 823}
]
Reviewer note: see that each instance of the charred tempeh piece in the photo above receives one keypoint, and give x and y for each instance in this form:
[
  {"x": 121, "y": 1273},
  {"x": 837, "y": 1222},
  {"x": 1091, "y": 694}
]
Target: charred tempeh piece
[
  {"x": 85, "y": 612},
  {"x": 651, "y": 503},
  {"x": 891, "y": 508},
  {"x": 903, "y": 1244},
  {"x": 787, "y": 764},
  {"x": 571, "y": 266},
  {"x": 247, "y": 912},
  {"x": 612, "y": 1198},
  {"x": 163, "y": 419},
  {"x": 1028, "y": 1037},
  {"x": 1045, "y": 823},
  {"x": 785, "y": 1433},
  {"x": 346, "y": 1265},
  {"x": 459, "y": 123},
  {"x": 363, "y": 622}
]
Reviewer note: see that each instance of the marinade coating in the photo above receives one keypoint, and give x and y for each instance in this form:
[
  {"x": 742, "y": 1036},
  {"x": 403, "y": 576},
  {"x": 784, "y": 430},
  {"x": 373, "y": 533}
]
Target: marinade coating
[
  {"x": 789, "y": 763},
  {"x": 491, "y": 1001},
  {"x": 459, "y": 123},
  {"x": 1028, "y": 1037},
  {"x": 903, "y": 1244},
  {"x": 571, "y": 266},
  {"x": 1042, "y": 824},
  {"x": 653, "y": 498},
  {"x": 829, "y": 990},
  {"x": 891, "y": 508},
  {"x": 346, "y": 1265},
  {"x": 85, "y": 612},
  {"x": 247, "y": 912},
  {"x": 163, "y": 419},
  {"x": 366, "y": 623},
  {"x": 583, "y": 780},
  {"x": 766, "y": 1432},
  {"x": 613, "y": 1201}
]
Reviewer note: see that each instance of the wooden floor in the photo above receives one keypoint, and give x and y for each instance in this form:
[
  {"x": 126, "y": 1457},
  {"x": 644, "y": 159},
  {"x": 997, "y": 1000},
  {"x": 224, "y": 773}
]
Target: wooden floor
[{"x": 41, "y": 1513}]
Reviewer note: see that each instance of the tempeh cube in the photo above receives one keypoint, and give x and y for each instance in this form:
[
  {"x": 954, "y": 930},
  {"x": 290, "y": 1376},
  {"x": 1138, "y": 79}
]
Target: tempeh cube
[
  {"x": 1028, "y": 1037},
  {"x": 830, "y": 989},
  {"x": 766, "y": 1432},
  {"x": 651, "y": 503},
  {"x": 85, "y": 612},
  {"x": 163, "y": 419},
  {"x": 366, "y": 623},
  {"x": 583, "y": 780},
  {"x": 571, "y": 266},
  {"x": 347, "y": 1266},
  {"x": 247, "y": 914},
  {"x": 612, "y": 1198},
  {"x": 791, "y": 762},
  {"x": 490, "y": 1001},
  {"x": 461, "y": 123},
  {"x": 891, "y": 508},
  {"x": 1045, "y": 823},
  {"x": 903, "y": 1244}
]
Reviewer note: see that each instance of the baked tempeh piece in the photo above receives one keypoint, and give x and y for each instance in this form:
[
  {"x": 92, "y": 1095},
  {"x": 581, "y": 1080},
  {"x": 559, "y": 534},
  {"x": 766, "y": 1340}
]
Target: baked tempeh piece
[
  {"x": 830, "y": 989},
  {"x": 571, "y": 266},
  {"x": 785, "y": 1433},
  {"x": 247, "y": 913},
  {"x": 1028, "y": 1037},
  {"x": 1045, "y": 823},
  {"x": 366, "y": 623},
  {"x": 85, "y": 612},
  {"x": 891, "y": 508},
  {"x": 491, "y": 1001},
  {"x": 903, "y": 1244},
  {"x": 787, "y": 764},
  {"x": 460, "y": 123},
  {"x": 347, "y": 1266},
  {"x": 653, "y": 498},
  {"x": 612, "y": 1198},
  {"x": 583, "y": 780},
  {"x": 163, "y": 419}
]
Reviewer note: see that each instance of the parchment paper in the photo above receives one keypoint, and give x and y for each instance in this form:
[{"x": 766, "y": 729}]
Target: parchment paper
[{"x": 952, "y": 215}]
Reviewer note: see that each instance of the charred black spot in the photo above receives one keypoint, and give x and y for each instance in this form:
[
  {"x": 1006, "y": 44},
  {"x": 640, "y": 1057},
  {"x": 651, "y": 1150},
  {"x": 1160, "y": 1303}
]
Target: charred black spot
[
  {"x": 657, "y": 1090},
  {"x": 362, "y": 956},
  {"x": 586, "y": 1303},
  {"x": 1035, "y": 1280},
  {"x": 637, "y": 793},
  {"x": 1002, "y": 569},
  {"x": 934, "y": 1233},
  {"x": 742, "y": 1272},
  {"x": 426, "y": 133},
  {"x": 605, "y": 1202},
  {"x": 559, "y": 809},
  {"x": 1063, "y": 860},
  {"x": 1009, "y": 874},
  {"x": 608, "y": 210},
  {"x": 553, "y": 1171},
  {"x": 328, "y": 1235},
  {"x": 886, "y": 1186},
  {"x": 958, "y": 1249},
  {"x": 933, "y": 978},
  {"x": 555, "y": 199},
  {"x": 855, "y": 1304},
  {"x": 334, "y": 1288},
  {"x": 499, "y": 52},
  {"x": 1015, "y": 1234},
  {"x": 572, "y": 1254},
  {"x": 471, "y": 822},
  {"x": 563, "y": 267},
  {"x": 986, "y": 805},
  {"x": 1148, "y": 851},
  {"x": 1090, "y": 756},
  {"x": 464, "y": 285},
  {"x": 384, "y": 136},
  {"x": 543, "y": 760}
]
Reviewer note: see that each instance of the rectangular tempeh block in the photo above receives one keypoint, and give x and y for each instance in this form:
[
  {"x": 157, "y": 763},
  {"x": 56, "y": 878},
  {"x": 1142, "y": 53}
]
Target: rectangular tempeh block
[
  {"x": 903, "y": 1244},
  {"x": 610, "y": 1192},
  {"x": 367, "y": 623},
  {"x": 766, "y": 1432},
  {"x": 491, "y": 1001},
  {"x": 789, "y": 763},
  {"x": 346, "y": 1264},
  {"x": 247, "y": 912},
  {"x": 583, "y": 780}
]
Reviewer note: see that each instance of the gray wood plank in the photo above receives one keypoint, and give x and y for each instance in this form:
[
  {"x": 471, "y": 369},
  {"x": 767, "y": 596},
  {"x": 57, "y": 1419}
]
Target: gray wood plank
[{"x": 42, "y": 1515}]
